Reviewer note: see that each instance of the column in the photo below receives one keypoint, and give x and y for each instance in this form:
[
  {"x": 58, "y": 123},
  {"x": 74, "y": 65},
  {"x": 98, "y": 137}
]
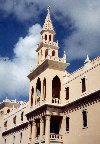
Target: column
[
  {"x": 34, "y": 131},
  {"x": 30, "y": 133},
  {"x": 41, "y": 128},
  {"x": 47, "y": 130}
]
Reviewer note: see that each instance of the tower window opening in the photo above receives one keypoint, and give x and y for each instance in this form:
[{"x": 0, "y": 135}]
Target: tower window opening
[
  {"x": 49, "y": 37},
  {"x": 46, "y": 53},
  {"x": 38, "y": 87},
  {"x": 67, "y": 123},
  {"x": 32, "y": 93},
  {"x": 56, "y": 87},
  {"x": 84, "y": 113},
  {"x": 44, "y": 88},
  {"x": 67, "y": 93},
  {"x": 83, "y": 85},
  {"x": 53, "y": 53},
  {"x": 45, "y": 37}
]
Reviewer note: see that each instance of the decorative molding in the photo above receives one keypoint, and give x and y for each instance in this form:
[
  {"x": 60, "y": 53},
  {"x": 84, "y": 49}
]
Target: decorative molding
[
  {"x": 15, "y": 129},
  {"x": 83, "y": 102},
  {"x": 47, "y": 64}
]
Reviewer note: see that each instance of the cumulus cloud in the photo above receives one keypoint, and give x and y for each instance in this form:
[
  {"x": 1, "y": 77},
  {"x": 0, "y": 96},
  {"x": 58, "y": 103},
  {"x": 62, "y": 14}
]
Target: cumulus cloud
[
  {"x": 13, "y": 73},
  {"x": 82, "y": 16}
]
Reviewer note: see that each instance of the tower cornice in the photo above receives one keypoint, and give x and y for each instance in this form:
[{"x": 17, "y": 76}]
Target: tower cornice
[{"x": 56, "y": 65}]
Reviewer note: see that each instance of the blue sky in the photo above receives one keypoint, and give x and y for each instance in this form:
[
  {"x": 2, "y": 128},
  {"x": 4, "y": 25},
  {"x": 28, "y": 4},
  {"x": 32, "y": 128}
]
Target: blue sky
[{"x": 77, "y": 26}]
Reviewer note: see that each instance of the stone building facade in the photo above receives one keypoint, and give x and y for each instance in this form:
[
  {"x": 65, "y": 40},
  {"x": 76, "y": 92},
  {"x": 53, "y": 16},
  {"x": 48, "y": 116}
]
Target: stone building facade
[{"x": 63, "y": 108}]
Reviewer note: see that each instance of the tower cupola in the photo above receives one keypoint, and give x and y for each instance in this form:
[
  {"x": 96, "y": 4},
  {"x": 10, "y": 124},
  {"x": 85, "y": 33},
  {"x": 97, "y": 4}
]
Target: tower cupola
[{"x": 47, "y": 48}]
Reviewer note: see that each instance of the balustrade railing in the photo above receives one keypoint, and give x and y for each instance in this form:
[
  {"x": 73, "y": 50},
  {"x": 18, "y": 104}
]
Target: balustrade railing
[
  {"x": 37, "y": 139},
  {"x": 56, "y": 137},
  {"x": 56, "y": 101}
]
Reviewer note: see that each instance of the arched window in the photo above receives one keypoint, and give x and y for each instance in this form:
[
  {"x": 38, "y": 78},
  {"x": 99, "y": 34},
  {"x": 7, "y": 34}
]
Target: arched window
[
  {"x": 5, "y": 124},
  {"x": 38, "y": 57},
  {"x": 56, "y": 87},
  {"x": 46, "y": 53},
  {"x": 41, "y": 54},
  {"x": 5, "y": 141},
  {"x": 38, "y": 87},
  {"x": 22, "y": 114},
  {"x": 13, "y": 139},
  {"x": 45, "y": 37},
  {"x": 20, "y": 137},
  {"x": 49, "y": 37},
  {"x": 44, "y": 88},
  {"x": 14, "y": 120},
  {"x": 53, "y": 53},
  {"x": 8, "y": 110}
]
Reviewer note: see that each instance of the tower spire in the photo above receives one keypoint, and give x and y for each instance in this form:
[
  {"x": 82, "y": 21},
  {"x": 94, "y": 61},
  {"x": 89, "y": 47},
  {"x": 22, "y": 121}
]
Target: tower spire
[{"x": 48, "y": 23}]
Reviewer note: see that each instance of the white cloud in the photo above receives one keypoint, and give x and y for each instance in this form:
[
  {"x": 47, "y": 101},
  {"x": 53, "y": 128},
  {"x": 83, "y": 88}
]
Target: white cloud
[
  {"x": 13, "y": 74},
  {"x": 85, "y": 18}
]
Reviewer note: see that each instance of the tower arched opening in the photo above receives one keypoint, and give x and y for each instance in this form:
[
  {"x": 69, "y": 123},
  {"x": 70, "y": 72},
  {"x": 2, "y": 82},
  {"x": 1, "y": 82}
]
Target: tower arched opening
[
  {"x": 56, "y": 87},
  {"x": 32, "y": 93},
  {"x": 45, "y": 37},
  {"x": 44, "y": 88},
  {"x": 53, "y": 53},
  {"x": 46, "y": 53},
  {"x": 49, "y": 37},
  {"x": 38, "y": 87}
]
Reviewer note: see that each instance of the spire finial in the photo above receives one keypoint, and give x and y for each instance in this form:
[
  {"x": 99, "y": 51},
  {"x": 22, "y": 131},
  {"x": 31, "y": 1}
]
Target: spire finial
[
  {"x": 87, "y": 59},
  {"x": 48, "y": 9}
]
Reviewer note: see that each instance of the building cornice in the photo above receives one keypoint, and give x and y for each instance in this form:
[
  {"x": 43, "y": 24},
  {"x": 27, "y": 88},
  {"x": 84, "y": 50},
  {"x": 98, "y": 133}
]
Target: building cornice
[
  {"x": 8, "y": 104},
  {"x": 51, "y": 31},
  {"x": 57, "y": 65},
  {"x": 84, "y": 101},
  {"x": 41, "y": 111},
  {"x": 15, "y": 129},
  {"x": 87, "y": 100},
  {"x": 82, "y": 71}
]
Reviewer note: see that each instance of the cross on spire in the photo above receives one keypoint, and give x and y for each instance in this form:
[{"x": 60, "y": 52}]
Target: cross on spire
[{"x": 48, "y": 9}]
